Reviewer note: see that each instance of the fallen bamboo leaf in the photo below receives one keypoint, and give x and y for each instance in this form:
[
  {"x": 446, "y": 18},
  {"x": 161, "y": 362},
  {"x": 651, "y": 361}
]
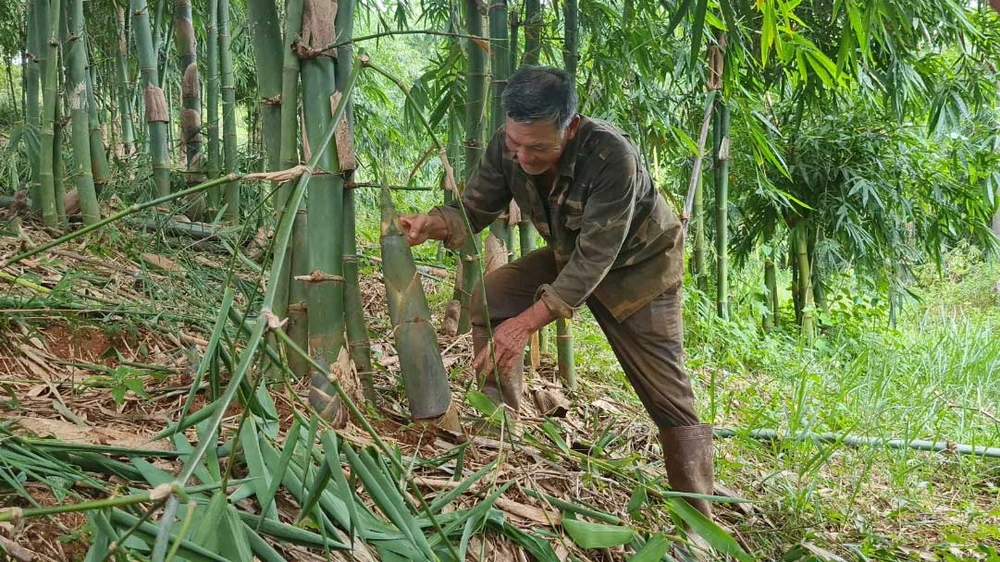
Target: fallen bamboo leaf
[
  {"x": 597, "y": 535},
  {"x": 551, "y": 403},
  {"x": 162, "y": 263}
]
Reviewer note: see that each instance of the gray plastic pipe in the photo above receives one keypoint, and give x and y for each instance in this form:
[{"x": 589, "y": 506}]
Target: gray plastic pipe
[{"x": 862, "y": 441}]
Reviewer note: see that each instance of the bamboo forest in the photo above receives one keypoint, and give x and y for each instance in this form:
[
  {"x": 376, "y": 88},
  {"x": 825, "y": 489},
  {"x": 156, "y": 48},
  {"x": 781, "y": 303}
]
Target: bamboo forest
[{"x": 255, "y": 258}]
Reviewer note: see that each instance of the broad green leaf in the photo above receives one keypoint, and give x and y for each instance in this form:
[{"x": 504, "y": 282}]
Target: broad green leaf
[
  {"x": 596, "y": 535},
  {"x": 331, "y": 447},
  {"x": 635, "y": 503},
  {"x": 482, "y": 403},
  {"x": 316, "y": 490},
  {"x": 234, "y": 544},
  {"x": 653, "y": 551},
  {"x": 258, "y": 470},
  {"x": 707, "y": 529},
  {"x": 698, "y": 31},
  {"x": 279, "y": 471}
]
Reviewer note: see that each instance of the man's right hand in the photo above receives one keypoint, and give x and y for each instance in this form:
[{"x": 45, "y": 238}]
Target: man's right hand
[{"x": 419, "y": 228}]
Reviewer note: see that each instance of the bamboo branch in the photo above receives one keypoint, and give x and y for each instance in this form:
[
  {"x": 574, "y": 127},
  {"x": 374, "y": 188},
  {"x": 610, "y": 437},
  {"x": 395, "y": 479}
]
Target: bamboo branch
[
  {"x": 482, "y": 41},
  {"x": 117, "y": 217},
  {"x": 698, "y": 159}
]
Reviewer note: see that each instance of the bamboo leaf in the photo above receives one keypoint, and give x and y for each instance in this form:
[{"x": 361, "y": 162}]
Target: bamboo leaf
[
  {"x": 444, "y": 500},
  {"x": 330, "y": 443},
  {"x": 698, "y": 31},
  {"x": 261, "y": 548},
  {"x": 635, "y": 503},
  {"x": 278, "y": 475},
  {"x": 316, "y": 490},
  {"x": 653, "y": 551},
  {"x": 707, "y": 529},
  {"x": 188, "y": 549},
  {"x": 288, "y": 533},
  {"x": 207, "y": 534},
  {"x": 597, "y": 535},
  {"x": 233, "y": 542},
  {"x": 255, "y": 463},
  {"x": 679, "y": 14}
]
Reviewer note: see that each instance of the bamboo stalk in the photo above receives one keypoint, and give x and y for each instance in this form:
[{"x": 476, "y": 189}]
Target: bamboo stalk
[
  {"x": 50, "y": 102},
  {"x": 298, "y": 308},
  {"x": 154, "y": 101},
  {"x": 212, "y": 97},
  {"x": 124, "y": 99},
  {"x": 229, "y": 140},
  {"x": 805, "y": 284},
  {"x": 98, "y": 153},
  {"x": 354, "y": 313},
  {"x": 282, "y": 236},
  {"x": 187, "y": 63},
  {"x": 475, "y": 102},
  {"x": 294, "y": 305},
  {"x": 771, "y": 283},
  {"x": 265, "y": 38},
  {"x": 76, "y": 94},
  {"x": 33, "y": 67},
  {"x": 156, "y": 494},
  {"x": 564, "y": 334},
  {"x": 571, "y": 43},
  {"x": 721, "y": 169},
  {"x": 326, "y": 213},
  {"x": 532, "y": 31},
  {"x": 432, "y": 32}
]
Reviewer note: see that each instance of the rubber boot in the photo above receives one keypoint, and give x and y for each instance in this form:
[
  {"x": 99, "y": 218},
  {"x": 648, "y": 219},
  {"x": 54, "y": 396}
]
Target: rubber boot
[
  {"x": 507, "y": 390},
  {"x": 687, "y": 458}
]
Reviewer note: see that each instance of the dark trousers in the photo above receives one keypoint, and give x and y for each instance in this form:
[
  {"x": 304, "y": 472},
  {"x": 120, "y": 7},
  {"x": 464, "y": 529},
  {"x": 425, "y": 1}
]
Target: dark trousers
[{"x": 649, "y": 344}]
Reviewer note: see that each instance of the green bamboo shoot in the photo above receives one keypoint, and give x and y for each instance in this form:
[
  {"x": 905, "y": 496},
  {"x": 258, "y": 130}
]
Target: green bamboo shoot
[{"x": 424, "y": 376}]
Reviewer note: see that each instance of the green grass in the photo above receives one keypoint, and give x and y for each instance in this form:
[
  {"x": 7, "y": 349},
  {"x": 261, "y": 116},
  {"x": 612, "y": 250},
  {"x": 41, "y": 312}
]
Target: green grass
[{"x": 936, "y": 376}]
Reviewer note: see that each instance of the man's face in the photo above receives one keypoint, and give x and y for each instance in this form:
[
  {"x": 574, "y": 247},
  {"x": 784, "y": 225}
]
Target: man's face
[{"x": 537, "y": 146}]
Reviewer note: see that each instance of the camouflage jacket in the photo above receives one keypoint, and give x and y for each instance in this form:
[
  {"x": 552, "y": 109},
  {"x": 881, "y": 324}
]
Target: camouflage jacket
[{"x": 612, "y": 233}]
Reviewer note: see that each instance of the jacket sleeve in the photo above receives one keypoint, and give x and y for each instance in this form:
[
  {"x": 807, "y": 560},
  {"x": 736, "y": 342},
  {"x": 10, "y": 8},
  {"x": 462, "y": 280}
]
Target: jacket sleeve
[
  {"x": 486, "y": 196},
  {"x": 606, "y": 221}
]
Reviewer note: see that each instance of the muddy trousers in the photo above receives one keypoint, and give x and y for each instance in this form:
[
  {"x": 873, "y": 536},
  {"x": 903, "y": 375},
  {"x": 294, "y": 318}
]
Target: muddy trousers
[{"x": 649, "y": 345}]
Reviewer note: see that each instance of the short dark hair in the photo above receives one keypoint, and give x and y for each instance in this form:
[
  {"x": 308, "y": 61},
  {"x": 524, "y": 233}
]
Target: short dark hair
[{"x": 540, "y": 93}]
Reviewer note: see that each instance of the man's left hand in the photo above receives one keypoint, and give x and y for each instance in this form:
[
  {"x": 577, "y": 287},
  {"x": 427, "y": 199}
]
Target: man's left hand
[{"x": 509, "y": 341}]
